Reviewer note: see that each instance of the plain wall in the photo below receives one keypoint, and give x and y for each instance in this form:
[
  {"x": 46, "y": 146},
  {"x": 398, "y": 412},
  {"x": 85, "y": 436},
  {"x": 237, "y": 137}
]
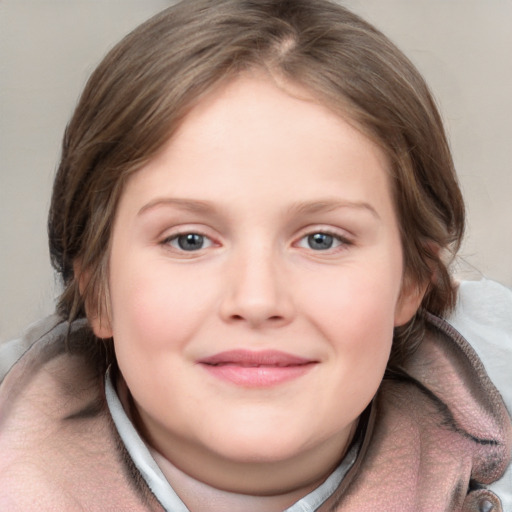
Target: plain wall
[{"x": 48, "y": 48}]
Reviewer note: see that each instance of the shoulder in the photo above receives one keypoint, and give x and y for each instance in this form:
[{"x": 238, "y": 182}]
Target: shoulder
[
  {"x": 483, "y": 315},
  {"x": 11, "y": 351},
  {"x": 59, "y": 448}
]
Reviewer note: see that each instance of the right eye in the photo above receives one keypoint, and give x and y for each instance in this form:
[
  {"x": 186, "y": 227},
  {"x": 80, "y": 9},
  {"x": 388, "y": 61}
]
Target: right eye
[
  {"x": 323, "y": 241},
  {"x": 188, "y": 242}
]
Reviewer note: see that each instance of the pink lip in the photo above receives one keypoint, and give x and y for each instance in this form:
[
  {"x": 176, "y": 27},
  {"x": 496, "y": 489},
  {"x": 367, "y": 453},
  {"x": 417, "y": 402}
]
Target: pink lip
[{"x": 256, "y": 369}]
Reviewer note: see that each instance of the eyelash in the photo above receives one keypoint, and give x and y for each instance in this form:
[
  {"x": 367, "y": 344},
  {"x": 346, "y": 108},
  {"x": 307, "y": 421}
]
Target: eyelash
[
  {"x": 176, "y": 238},
  {"x": 341, "y": 242}
]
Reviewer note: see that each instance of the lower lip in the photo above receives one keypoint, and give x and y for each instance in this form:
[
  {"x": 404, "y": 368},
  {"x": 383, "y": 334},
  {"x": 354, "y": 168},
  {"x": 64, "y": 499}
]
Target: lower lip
[{"x": 257, "y": 376}]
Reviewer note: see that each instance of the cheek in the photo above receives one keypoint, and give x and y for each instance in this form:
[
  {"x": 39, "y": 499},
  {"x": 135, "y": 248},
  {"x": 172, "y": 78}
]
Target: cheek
[
  {"x": 363, "y": 334},
  {"x": 354, "y": 301},
  {"x": 155, "y": 307},
  {"x": 356, "y": 316},
  {"x": 358, "y": 321}
]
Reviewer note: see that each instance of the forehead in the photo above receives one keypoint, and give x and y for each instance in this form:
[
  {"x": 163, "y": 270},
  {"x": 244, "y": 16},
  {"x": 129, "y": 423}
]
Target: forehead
[{"x": 275, "y": 138}]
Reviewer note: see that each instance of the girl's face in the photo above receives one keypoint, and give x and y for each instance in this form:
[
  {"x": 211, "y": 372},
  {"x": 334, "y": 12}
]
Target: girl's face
[{"x": 255, "y": 280}]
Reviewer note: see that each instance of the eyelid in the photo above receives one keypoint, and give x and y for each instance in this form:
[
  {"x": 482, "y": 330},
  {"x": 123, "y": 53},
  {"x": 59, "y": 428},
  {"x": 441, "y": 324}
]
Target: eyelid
[
  {"x": 339, "y": 234},
  {"x": 176, "y": 237},
  {"x": 177, "y": 231}
]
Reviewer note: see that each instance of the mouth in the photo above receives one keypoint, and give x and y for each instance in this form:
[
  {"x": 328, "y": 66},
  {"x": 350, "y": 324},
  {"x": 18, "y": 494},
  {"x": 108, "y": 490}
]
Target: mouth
[{"x": 256, "y": 369}]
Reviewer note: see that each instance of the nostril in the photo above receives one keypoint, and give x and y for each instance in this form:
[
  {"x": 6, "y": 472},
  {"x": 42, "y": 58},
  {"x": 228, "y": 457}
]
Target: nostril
[{"x": 257, "y": 320}]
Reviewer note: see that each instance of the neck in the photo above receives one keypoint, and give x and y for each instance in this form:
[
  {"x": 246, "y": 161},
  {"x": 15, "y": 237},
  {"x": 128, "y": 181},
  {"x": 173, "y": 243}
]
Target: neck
[{"x": 200, "y": 496}]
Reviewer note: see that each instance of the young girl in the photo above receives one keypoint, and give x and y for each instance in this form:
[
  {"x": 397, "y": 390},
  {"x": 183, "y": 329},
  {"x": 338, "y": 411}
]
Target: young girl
[{"x": 252, "y": 218}]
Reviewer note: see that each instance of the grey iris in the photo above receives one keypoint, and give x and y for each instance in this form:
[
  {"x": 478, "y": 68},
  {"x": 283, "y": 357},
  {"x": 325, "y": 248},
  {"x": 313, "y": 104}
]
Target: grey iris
[
  {"x": 190, "y": 242},
  {"x": 320, "y": 241}
]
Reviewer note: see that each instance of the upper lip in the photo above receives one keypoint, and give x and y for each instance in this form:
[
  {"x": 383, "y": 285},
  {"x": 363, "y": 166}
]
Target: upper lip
[{"x": 255, "y": 358}]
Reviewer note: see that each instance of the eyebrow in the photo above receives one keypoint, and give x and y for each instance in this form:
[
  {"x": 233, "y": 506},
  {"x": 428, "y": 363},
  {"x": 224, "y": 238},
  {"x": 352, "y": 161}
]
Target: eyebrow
[
  {"x": 327, "y": 205},
  {"x": 300, "y": 208},
  {"x": 192, "y": 205}
]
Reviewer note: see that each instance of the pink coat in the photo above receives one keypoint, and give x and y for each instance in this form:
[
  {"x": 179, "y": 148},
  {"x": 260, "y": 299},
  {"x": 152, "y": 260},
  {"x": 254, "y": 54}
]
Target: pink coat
[{"x": 436, "y": 435}]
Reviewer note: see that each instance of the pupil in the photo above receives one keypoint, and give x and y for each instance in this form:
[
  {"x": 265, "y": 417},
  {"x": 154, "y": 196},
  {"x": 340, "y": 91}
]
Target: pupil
[
  {"x": 190, "y": 241},
  {"x": 320, "y": 241}
]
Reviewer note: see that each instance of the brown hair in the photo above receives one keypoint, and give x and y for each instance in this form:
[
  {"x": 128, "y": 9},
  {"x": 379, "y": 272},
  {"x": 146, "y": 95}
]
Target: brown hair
[{"x": 145, "y": 86}]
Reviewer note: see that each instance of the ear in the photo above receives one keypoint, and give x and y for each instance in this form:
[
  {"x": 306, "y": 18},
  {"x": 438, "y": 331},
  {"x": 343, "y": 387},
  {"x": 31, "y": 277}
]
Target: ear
[
  {"x": 95, "y": 306},
  {"x": 408, "y": 303}
]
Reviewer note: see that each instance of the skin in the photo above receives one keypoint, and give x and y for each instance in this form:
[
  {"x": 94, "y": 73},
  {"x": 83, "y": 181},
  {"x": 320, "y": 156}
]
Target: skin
[{"x": 255, "y": 169}]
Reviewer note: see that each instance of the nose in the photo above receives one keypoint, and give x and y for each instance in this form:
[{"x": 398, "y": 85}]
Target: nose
[{"x": 257, "y": 291}]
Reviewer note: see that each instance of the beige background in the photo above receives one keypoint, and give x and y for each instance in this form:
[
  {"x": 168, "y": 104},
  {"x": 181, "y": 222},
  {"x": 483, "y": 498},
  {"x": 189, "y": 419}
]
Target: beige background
[{"x": 48, "y": 48}]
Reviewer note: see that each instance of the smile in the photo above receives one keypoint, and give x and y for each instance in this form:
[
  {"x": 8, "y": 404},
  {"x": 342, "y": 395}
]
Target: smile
[{"x": 256, "y": 369}]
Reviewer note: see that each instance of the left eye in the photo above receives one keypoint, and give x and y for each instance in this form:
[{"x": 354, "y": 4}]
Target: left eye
[
  {"x": 189, "y": 242},
  {"x": 320, "y": 241}
]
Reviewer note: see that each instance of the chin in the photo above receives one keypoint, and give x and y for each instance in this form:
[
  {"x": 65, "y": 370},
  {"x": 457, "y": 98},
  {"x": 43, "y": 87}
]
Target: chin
[
  {"x": 260, "y": 445},
  {"x": 263, "y": 452}
]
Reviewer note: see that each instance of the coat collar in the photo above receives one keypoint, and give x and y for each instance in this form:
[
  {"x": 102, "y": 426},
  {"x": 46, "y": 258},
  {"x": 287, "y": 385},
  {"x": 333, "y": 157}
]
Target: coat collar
[{"x": 437, "y": 433}]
